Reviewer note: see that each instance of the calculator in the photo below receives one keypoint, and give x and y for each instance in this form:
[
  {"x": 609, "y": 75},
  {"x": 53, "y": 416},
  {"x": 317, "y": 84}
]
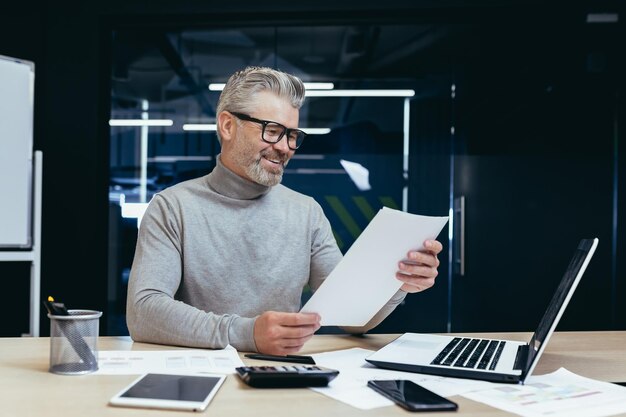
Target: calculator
[{"x": 286, "y": 376}]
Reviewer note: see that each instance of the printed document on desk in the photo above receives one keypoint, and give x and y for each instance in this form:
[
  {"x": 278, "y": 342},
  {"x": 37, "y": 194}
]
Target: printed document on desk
[
  {"x": 559, "y": 394},
  {"x": 350, "y": 386},
  {"x": 367, "y": 273},
  {"x": 135, "y": 362}
]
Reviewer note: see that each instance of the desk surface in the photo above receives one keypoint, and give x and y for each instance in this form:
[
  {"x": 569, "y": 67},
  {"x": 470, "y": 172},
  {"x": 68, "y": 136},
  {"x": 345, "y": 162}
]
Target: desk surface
[{"x": 28, "y": 389}]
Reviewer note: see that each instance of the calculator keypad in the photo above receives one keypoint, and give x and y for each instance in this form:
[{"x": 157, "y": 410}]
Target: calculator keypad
[{"x": 295, "y": 376}]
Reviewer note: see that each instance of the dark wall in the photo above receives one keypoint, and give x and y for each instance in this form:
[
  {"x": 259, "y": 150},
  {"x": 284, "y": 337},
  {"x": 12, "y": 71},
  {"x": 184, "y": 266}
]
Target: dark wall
[
  {"x": 21, "y": 36},
  {"x": 68, "y": 41},
  {"x": 63, "y": 41}
]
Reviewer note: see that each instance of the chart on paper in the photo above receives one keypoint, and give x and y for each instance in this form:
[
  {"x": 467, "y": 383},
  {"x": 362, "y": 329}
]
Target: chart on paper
[{"x": 561, "y": 393}]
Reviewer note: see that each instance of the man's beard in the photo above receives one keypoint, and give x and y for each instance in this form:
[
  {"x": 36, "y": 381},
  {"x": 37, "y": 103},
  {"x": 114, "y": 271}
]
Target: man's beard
[
  {"x": 262, "y": 176},
  {"x": 252, "y": 166}
]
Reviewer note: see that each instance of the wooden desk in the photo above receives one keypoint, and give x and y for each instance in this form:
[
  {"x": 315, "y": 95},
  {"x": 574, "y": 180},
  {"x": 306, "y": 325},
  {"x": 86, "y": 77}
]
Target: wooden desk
[{"x": 28, "y": 389}]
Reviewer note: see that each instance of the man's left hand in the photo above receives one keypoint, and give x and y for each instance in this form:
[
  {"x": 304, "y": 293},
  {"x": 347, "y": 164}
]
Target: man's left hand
[{"x": 419, "y": 270}]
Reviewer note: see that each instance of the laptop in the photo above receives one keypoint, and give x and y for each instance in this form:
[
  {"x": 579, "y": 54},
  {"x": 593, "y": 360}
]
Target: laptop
[{"x": 485, "y": 359}]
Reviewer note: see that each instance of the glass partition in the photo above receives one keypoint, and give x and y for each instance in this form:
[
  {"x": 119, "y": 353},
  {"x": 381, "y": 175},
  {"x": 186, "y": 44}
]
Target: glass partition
[{"x": 361, "y": 84}]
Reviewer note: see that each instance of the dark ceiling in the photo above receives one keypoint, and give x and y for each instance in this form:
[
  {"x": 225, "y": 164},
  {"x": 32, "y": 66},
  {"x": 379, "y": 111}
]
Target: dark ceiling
[{"x": 172, "y": 69}]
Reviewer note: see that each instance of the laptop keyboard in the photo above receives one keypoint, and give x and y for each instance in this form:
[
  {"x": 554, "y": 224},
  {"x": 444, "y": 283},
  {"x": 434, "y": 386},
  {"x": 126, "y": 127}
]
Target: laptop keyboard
[{"x": 470, "y": 353}]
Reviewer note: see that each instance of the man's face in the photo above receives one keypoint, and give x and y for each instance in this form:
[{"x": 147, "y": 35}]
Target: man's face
[{"x": 257, "y": 160}]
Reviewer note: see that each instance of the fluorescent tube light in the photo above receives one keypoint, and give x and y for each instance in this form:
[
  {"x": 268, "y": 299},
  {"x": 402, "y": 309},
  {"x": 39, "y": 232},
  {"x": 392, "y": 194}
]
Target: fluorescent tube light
[
  {"x": 141, "y": 122},
  {"x": 308, "y": 86},
  {"x": 204, "y": 127},
  {"x": 316, "y": 130},
  {"x": 176, "y": 158},
  {"x": 319, "y": 86},
  {"x": 360, "y": 93}
]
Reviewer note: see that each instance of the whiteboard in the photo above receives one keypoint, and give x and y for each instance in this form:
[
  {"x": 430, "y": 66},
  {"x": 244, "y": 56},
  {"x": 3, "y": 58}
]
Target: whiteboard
[{"x": 17, "y": 85}]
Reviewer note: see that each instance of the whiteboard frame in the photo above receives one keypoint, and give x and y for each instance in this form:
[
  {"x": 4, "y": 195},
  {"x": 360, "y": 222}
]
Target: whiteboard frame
[
  {"x": 34, "y": 254},
  {"x": 31, "y": 99},
  {"x": 31, "y": 252}
]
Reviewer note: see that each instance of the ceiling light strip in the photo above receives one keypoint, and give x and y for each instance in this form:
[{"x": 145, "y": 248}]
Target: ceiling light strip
[
  {"x": 141, "y": 122},
  {"x": 200, "y": 127},
  {"x": 316, "y": 130},
  {"x": 319, "y": 86},
  {"x": 361, "y": 93},
  {"x": 307, "y": 85}
]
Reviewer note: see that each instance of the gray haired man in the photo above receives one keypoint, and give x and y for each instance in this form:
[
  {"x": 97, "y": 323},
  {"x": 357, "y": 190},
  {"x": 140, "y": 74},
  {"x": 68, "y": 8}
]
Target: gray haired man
[{"x": 223, "y": 259}]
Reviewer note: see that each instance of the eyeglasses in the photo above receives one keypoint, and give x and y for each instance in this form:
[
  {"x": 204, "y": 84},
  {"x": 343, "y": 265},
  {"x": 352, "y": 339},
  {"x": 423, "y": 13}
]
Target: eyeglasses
[{"x": 273, "y": 132}]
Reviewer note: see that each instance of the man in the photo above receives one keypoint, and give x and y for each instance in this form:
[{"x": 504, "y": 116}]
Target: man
[{"x": 223, "y": 259}]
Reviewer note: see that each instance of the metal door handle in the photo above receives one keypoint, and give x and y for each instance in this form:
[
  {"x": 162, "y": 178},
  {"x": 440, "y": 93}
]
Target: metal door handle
[{"x": 459, "y": 235}]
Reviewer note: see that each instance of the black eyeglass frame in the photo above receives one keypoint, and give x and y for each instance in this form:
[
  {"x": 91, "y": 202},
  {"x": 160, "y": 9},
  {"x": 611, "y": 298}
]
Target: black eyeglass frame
[{"x": 286, "y": 130}]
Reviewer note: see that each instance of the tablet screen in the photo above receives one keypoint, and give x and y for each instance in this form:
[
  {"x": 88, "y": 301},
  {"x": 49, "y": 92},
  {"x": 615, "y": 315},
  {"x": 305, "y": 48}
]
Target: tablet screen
[
  {"x": 172, "y": 387},
  {"x": 169, "y": 391}
]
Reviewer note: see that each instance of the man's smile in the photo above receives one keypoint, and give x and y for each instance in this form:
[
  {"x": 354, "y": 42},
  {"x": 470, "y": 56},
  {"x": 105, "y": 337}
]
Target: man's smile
[{"x": 275, "y": 159}]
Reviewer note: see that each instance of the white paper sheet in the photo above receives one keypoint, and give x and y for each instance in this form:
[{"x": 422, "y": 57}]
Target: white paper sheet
[
  {"x": 365, "y": 279},
  {"x": 559, "y": 394},
  {"x": 358, "y": 174},
  {"x": 129, "y": 362},
  {"x": 350, "y": 386}
]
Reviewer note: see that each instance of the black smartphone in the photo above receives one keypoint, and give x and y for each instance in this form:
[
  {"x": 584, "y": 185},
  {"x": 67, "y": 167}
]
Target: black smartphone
[{"x": 411, "y": 396}]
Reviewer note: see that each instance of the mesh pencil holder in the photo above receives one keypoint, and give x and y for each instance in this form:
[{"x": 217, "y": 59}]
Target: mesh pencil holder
[{"x": 74, "y": 342}]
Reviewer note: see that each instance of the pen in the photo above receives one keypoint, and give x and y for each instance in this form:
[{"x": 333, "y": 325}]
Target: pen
[
  {"x": 70, "y": 332},
  {"x": 280, "y": 358},
  {"x": 54, "y": 308}
]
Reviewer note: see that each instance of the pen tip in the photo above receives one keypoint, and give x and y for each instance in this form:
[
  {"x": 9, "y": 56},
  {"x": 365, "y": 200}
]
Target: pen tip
[{"x": 50, "y": 299}]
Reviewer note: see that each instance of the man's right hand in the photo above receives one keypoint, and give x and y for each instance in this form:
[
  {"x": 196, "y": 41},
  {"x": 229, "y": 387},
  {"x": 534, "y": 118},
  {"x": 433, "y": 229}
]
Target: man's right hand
[{"x": 278, "y": 333}]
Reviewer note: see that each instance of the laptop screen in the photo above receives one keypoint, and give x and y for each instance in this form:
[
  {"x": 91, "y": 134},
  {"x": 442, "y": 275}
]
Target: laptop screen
[{"x": 561, "y": 298}]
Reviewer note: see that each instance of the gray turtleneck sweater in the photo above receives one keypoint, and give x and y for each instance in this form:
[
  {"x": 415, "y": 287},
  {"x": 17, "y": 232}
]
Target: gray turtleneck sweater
[{"x": 215, "y": 252}]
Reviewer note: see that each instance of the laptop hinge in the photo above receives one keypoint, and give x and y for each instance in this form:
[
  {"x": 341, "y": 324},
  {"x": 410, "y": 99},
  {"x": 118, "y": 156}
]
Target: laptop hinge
[{"x": 521, "y": 357}]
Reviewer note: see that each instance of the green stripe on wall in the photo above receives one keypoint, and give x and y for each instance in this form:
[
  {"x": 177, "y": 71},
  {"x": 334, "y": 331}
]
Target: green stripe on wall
[
  {"x": 364, "y": 206},
  {"x": 389, "y": 202},
  {"x": 344, "y": 216},
  {"x": 340, "y": 243}
]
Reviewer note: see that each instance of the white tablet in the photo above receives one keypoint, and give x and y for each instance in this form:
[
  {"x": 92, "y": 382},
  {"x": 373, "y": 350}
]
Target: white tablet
[{"x": 174, "y": 392}]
